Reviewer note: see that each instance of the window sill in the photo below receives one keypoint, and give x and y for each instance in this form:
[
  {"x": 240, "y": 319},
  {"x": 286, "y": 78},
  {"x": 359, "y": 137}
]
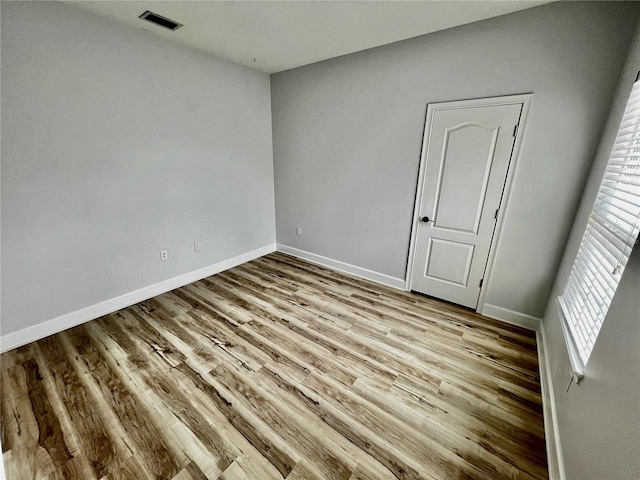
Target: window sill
[{"x": 577, "y": 367}]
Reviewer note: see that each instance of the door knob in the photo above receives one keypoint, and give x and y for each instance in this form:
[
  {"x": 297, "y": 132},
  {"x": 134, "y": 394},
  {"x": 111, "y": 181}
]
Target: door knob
[{"x": 426, "y": 219}]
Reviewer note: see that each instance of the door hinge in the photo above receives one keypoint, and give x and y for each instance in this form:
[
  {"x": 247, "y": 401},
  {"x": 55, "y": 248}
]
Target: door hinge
[
  {"x": 496, "y": 214},
  {"x": 515, "y": 129},
  {"x": 481, "y": 280}
]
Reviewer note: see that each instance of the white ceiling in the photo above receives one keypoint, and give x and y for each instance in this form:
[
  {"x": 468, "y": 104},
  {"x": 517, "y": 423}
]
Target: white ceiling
[{"x": 273, "y": 36}]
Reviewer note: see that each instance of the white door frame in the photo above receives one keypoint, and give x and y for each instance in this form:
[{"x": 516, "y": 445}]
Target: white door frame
[{"x": 525, "y": 100}]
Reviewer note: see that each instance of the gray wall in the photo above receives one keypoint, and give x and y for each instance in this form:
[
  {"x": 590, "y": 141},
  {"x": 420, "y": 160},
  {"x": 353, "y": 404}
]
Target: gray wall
[
  {"x": 599, "y": 420},
  {"x": 347, "y": 134},
  {"x": 115, "y": 145}
]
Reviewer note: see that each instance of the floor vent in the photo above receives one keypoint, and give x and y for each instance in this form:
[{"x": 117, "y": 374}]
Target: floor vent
[{"x": 160, "y": 20}]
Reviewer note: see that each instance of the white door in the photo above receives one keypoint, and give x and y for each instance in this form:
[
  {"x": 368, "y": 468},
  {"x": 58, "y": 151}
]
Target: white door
[{"x": 465, "y": 159}]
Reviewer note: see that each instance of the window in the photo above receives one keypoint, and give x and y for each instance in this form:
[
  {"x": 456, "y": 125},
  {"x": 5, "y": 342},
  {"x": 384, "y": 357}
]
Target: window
[{"x": 612, "y": 231}]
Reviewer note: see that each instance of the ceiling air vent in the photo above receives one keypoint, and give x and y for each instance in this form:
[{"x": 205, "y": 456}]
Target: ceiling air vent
[{"x": 160, "y": 20}]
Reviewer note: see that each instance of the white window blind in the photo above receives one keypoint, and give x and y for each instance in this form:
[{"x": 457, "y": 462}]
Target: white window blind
[{"x": 610, "y": 235}]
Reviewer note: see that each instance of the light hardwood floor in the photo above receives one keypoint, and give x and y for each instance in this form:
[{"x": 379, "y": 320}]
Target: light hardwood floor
[{"x": 277, "y": 369}]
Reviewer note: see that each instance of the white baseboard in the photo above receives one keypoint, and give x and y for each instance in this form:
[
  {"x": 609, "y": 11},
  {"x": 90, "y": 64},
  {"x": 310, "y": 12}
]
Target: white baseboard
[
  {"x": 511, "y": 316},
  {"x": 551, "y": 431},
  {"x": 36, "y": 332},
  {"x": 381, "y": 278}
]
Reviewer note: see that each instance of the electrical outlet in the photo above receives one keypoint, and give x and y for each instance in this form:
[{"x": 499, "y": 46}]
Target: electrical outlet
[
  {"x": 299, "y": 231},
  {"x": 164, "y": 255},
  {"x": 196, "y": 247}
]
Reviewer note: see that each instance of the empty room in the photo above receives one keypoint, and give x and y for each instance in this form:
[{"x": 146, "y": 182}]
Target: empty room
[{"x": 357, "y": 240}]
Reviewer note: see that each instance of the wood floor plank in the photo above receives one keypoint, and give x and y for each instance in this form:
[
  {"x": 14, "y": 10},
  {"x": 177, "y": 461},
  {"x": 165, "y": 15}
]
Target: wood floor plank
[
  {"x": 393, "y": 457},
  {"x": 277, "y": 369},
  {"x": 38, "y": 454},
  {"x": 339, "y": 445},
  {"x": 492, "y": 449},
  {"x": 105, "y": 452},
  {"x": 295, "y": 429},
  {"x": 261, "y": 435},
  {"x": 182, "y": 442},
  {"x": 127, "y": 407},
  {"x": 166, "y": 357},
  {"x": 54, "y": 419}
]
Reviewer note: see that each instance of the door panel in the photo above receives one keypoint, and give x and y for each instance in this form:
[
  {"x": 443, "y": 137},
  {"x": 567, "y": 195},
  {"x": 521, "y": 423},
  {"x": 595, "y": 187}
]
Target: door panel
[
  {"x": 466, "y": 156},
  {"x": 449, "y": 261}
]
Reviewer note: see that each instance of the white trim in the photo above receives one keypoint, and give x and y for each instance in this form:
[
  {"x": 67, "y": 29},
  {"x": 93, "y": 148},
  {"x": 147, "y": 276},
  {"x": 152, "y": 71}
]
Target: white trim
[
  {"x": 418, "y": 199},
  {"x": 525, "y": 100},
  {"x": 511, "y": 316},
  {"x": 36, "y": 332},
  {"x": 555, "y": 460},
  {"x": 577, "y": 367},
  {"x": 376, "y": 277},
  {"x": 506, "y": 196}
]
